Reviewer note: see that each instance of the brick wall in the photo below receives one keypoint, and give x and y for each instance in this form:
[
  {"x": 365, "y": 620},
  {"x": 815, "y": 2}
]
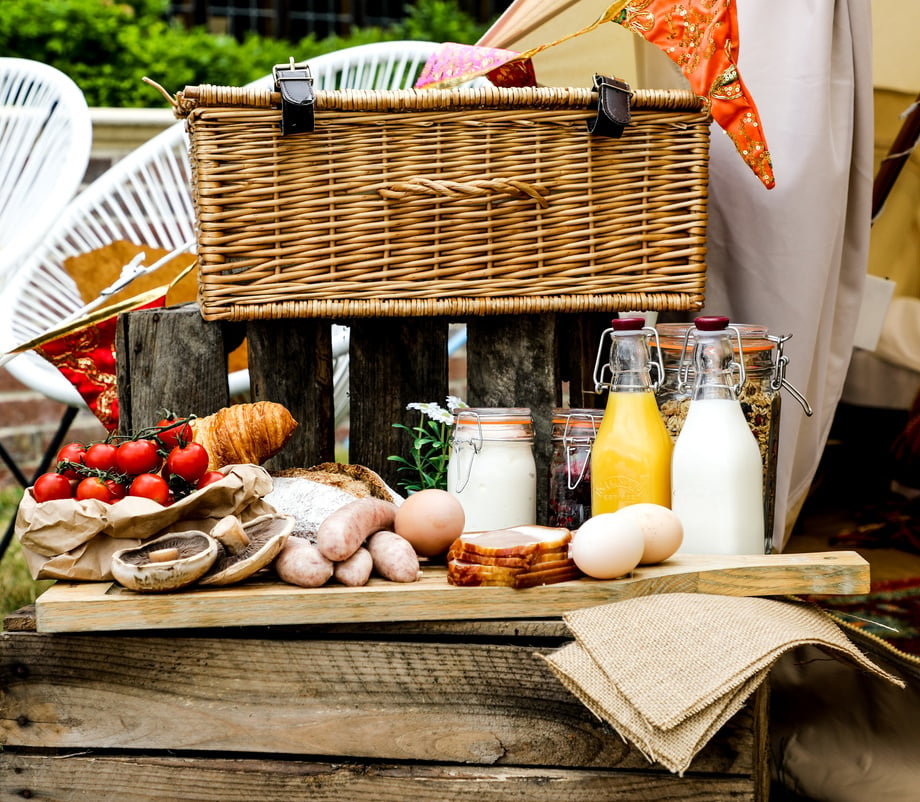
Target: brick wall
[{"x": 28, "y": 422}]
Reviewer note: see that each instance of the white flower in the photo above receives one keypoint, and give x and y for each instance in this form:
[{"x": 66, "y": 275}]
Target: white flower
[
  {"x": 441, "y": 415},
  {"x": 453, "y": 402},
  {"x": 433, "y": 411}
]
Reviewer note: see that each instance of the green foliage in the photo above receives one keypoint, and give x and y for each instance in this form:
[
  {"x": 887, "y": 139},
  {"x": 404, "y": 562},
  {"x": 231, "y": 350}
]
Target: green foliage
[
  {"x": 17, "y": 588},
  {"x": 439, "y": 21},
  {"x": 107, "y": 46}
]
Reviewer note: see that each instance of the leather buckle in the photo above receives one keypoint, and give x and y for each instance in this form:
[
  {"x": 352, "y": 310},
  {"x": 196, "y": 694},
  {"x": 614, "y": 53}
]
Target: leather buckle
[
  {"x": 295, "y": 83},
  {"x": 612, "y": 107}
]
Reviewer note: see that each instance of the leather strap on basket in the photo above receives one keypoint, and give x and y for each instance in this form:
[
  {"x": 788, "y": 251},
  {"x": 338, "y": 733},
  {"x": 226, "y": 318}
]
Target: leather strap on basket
[
  {"x": 295, "y": 83},
  {"x": 612, "y": 107}
]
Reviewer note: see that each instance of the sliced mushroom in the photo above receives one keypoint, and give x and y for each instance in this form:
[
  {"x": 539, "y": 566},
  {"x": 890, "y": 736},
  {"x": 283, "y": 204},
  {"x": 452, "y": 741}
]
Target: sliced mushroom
[
  {"x": 247, "y": 548},
  {"x": 169, "y": 562}
]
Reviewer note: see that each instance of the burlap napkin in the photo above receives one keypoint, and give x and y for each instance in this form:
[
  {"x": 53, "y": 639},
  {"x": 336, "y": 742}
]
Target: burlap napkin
[{"x": 667, "y": 671}]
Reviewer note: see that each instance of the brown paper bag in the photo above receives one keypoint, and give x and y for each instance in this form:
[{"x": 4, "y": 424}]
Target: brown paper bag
[{"x": 75, "y": 540}]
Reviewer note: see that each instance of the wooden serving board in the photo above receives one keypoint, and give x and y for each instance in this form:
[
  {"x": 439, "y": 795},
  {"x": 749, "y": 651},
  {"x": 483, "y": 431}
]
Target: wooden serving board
[{"x": 106, "y": 606}]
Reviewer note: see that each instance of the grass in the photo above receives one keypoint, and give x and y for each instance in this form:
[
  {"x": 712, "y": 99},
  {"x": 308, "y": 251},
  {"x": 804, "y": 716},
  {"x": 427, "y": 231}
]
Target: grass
[{"x": 17, "y": 588}]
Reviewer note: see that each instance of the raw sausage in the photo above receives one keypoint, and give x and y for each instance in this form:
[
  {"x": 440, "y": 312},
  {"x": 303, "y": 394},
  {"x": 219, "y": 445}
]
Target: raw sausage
[
  {"x": 393, "y": 556},
  {"x": 300, "y": 563},
  {"x": 356, "y": 570},
  {"x": 342, "y": 532}
]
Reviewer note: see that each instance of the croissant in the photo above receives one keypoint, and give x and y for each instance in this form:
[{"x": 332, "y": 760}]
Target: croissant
[{"x": 244, "y": 433}]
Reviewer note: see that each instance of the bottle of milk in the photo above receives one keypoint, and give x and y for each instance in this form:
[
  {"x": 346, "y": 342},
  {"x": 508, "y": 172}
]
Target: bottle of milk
[{"x": 716, "y": 467}]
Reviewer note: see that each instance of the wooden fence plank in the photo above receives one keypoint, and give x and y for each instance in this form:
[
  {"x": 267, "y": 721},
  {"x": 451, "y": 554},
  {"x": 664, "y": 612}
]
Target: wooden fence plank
[
  {"x": 392, "y": 362},
  {"x": 290, "y": 362},
  {"x": 168, "y": 359}
]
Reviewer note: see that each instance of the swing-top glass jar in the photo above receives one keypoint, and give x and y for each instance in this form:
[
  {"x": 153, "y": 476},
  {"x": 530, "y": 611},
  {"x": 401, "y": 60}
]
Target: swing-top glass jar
[
  {"x": 765, "y": 375},
  {"x": 573, "y": 436},
  {"x": 491, "y": 470},
  {"x": 631, "y": 458}
]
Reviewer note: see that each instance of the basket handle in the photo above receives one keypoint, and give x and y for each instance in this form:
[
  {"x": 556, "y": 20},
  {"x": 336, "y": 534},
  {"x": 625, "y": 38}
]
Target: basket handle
[{"x": 400, "y": 190}]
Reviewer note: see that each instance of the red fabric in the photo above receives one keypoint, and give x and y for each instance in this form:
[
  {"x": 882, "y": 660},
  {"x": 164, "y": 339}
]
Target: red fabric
[{"x": 87, "y": 358}]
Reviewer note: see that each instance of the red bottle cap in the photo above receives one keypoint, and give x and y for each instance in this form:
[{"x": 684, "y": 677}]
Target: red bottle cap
[
  {"x": 628, "y": 323},
  {"x": 711, "y": 323}
]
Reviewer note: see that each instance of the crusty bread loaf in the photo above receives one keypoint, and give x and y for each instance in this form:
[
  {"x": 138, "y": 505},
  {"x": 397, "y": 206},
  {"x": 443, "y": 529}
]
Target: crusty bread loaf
[{"x": 357, "y": 480}]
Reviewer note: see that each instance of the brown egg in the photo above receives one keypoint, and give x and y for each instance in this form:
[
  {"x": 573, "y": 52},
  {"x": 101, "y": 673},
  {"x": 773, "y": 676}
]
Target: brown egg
[{"x": 430, "y": 520}]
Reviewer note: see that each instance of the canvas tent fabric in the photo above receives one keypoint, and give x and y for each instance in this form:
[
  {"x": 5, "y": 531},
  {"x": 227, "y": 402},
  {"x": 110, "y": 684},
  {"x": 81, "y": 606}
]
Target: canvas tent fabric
[{"x": 792, "y": 258}]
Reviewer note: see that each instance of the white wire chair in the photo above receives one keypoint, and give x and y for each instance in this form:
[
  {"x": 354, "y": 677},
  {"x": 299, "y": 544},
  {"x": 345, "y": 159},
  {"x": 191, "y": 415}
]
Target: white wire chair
[
  {"x": 145, "y": 198},
  {"x": 45, "y": 139}
]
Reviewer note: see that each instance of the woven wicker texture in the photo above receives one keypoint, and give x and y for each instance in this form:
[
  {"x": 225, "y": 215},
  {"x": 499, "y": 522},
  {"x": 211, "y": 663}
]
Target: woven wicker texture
[{"x": 446, "y": 202}]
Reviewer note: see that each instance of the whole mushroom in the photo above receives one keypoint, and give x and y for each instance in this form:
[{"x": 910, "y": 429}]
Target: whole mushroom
[
  {"x": 169, "y": 562},
  {"x": 246, "y": 548}
]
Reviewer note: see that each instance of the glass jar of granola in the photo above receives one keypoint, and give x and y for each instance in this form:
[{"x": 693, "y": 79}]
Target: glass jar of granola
[{"x": 765, "y": 368}]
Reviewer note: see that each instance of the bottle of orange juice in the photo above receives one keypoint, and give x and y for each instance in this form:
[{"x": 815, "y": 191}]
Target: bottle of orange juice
[{"x": 631, "y": 458}]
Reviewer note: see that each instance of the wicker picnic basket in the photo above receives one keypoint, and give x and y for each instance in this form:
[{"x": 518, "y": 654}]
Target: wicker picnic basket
[{"x": 464, "y": 201}]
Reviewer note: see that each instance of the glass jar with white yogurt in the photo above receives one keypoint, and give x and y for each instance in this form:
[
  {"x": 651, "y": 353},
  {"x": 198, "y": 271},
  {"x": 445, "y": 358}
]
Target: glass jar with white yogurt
[{"x": 492, "y": 471}]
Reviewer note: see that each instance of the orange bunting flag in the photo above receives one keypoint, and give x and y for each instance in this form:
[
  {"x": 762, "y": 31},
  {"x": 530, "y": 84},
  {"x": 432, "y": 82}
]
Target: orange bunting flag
[{"x": 701, "y": 37}]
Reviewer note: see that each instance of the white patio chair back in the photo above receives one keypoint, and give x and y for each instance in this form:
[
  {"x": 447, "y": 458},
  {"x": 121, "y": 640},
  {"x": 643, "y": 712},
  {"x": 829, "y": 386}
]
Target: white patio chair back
[
  {"x": 145, "y": 198},
  {"x": 45, "y": 139}
]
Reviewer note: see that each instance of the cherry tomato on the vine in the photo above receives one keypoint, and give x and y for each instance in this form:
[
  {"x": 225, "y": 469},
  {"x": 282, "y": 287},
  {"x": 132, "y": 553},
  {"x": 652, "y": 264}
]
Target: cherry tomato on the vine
[
  {"x": 135, "y": 457},
  {"x": 102, "y": 456},
  {"x": 72, "y": 452},
  {"x": 152, "y": 486},
  {"x": 209, "y": 478},
  {"x": 50, "y": 486},
  {"x": 172, "y": 433},
  {"x": 188, "y": 462},
  {"x": 93, "y": 487},
  {"x": 117, "y": 489}
]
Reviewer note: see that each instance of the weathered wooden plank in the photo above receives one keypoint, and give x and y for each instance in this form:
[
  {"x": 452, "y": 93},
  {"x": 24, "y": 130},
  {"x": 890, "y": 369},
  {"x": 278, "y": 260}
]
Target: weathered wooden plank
[
  {"x": 78, "y": 607},
  {"x": 166, "y": 778},
  {"x": 392, "y": 362},
  {"x": 433, "y": 701},
  {"x": 579, "y": 337},
  {"x": 290, "y": 362},
  {"x": 513, "y": 361},
  {"x": 168, "y": 359}
]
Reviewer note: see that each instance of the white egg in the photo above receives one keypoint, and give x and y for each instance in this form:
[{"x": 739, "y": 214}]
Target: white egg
[
  {"x": 662, "y": 531},
  {"x": 608, "y": 545}
]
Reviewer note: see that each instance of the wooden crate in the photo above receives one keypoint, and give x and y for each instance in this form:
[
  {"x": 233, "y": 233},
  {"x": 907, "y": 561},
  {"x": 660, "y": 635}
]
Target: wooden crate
[{"x": 427, "y": 711}]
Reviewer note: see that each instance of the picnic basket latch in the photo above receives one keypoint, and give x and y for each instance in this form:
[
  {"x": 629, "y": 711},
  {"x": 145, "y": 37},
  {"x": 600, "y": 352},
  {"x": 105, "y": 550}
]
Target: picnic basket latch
[
  {"x": 295, "y": 83},
  {"x": 612, "y": 107}
]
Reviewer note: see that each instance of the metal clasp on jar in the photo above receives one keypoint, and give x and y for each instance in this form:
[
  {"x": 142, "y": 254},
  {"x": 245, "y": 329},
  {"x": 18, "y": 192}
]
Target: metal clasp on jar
[
  {"x": 462, "y": 444},
  {"x": 779, "y": 373},
  {"x": 573, "y": 444}
]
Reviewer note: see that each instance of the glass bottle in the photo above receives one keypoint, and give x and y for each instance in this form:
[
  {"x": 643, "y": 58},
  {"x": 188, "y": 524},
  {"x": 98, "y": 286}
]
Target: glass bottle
[
  {"x": 717, "y": 470},
  {"x": 631, "y": 458},
  {"x": 573, "y": 434},
  {"x": 491, "y": 469},
  {"x": 761, "y": 400}
]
